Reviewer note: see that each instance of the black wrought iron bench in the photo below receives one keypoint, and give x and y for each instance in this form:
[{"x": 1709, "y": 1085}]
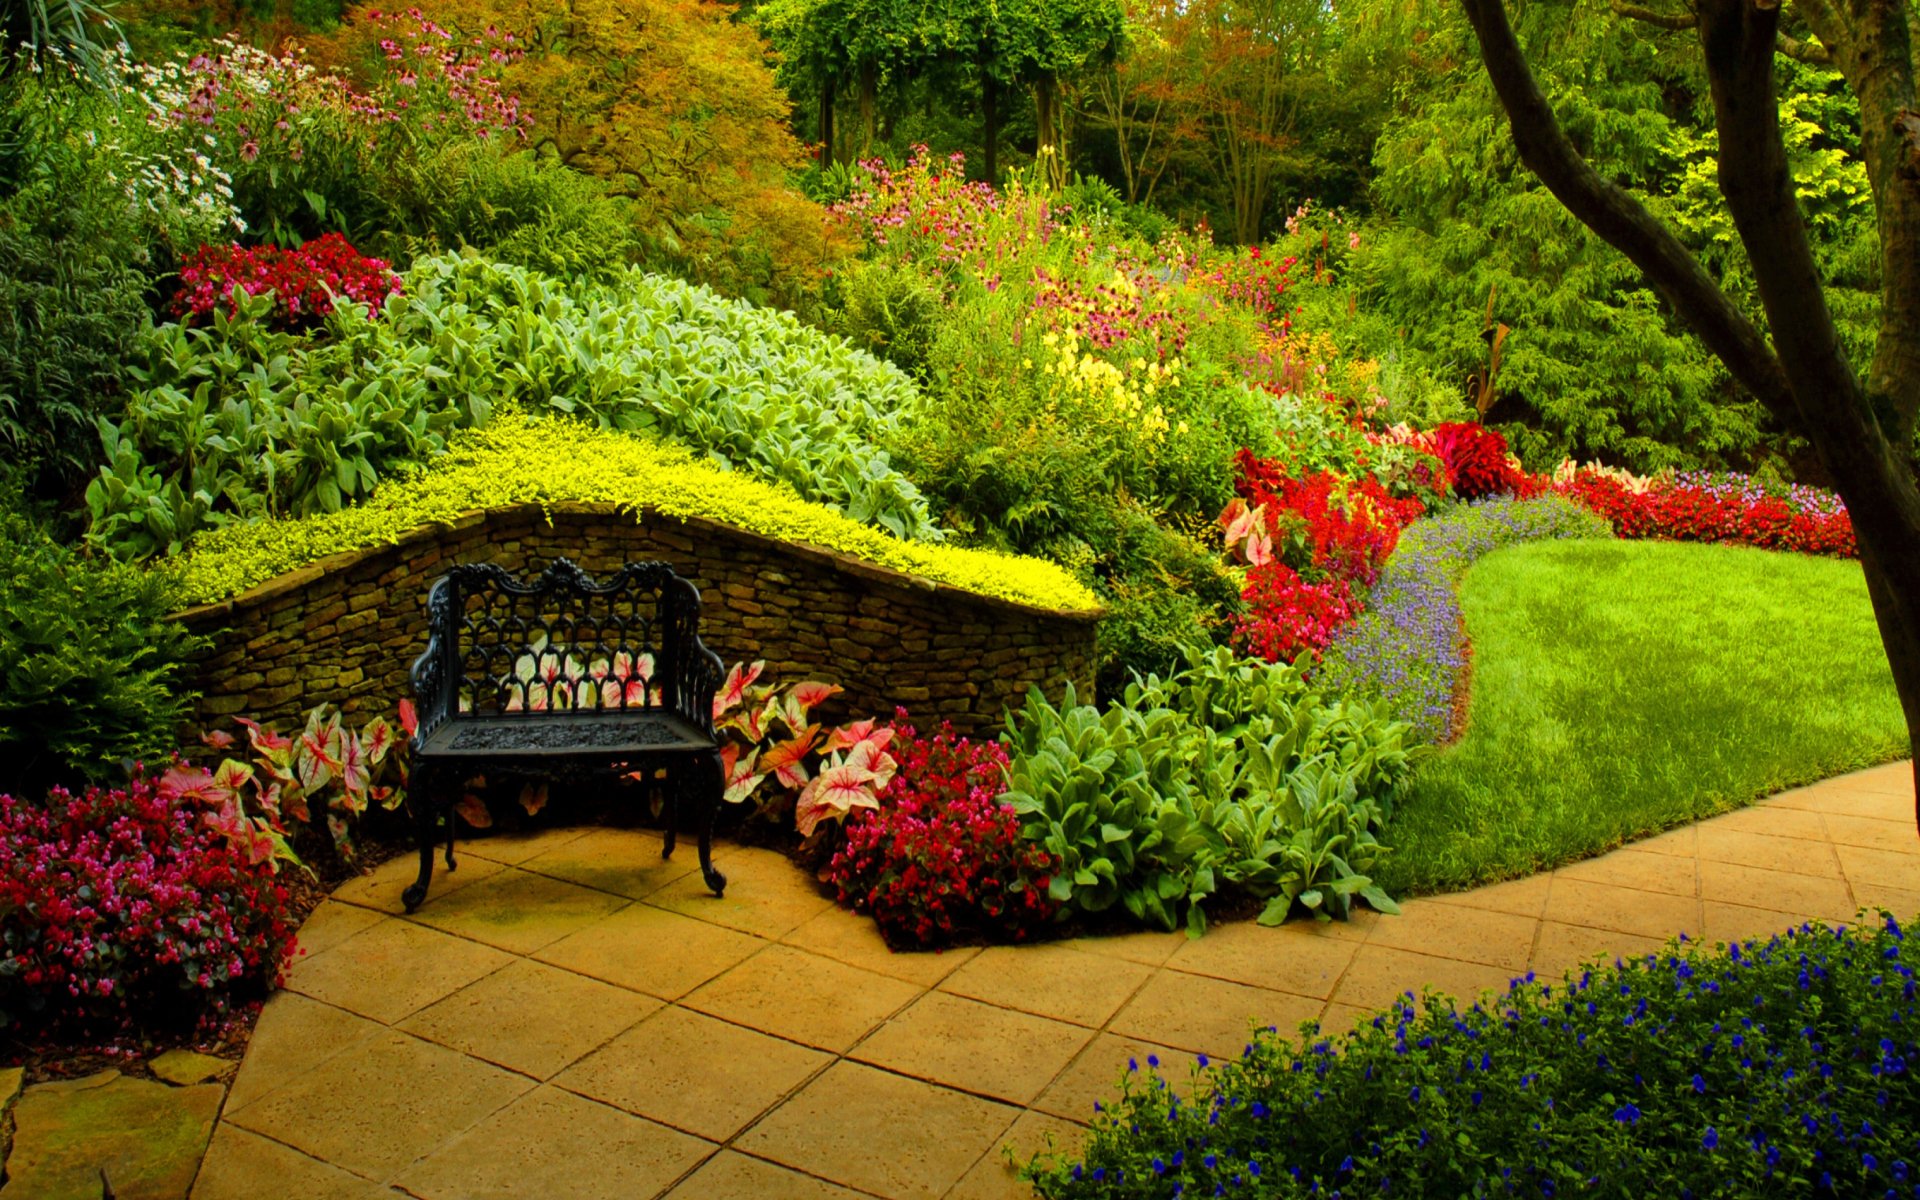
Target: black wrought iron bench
[{"x": 561, "y": 677}]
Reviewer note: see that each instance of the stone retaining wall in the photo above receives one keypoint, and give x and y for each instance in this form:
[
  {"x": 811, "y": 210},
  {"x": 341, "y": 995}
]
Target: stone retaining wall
[{"x": 346, "y": 629}]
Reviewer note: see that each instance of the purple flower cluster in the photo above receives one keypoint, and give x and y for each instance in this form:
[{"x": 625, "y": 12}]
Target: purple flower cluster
[
  {"x": 1749, "y": 491},
  {"x": 1406, "y": 650}
]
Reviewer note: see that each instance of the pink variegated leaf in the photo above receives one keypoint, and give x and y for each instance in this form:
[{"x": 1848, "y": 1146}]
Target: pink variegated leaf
[
  {"x": 217, "y": 739},
  {"x": 835, "y": 791},
  {"x": 801, "y": 699},
  {"x": 850, "y": 734},
  {"x": 734, "y": 690},
  {"x": 740, "y": 774},
  {"x": 293, "y": 802},
  {"x": 533, "y": 798},
  {"x": 388, "y": 798},
  {"x": 275, "y": 747},
  {"x": 184, "y": 783},
  {"x": 787, "y": 761},
  {"x": 377, "y": 738},
  {"x": 473, "y": 810},
  {"x": 342, "y": 835},
  {"x": 232, "y": 775},
  {"x": 409, "y": 718},
  {"x": 354, "y": 776},
  {"x": 869, "y": 756}
]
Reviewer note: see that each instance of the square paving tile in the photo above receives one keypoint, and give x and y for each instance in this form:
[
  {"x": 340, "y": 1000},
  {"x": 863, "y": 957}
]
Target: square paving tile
[
  {"x": 1380, "y": 974},
  {"x": 381, "y": 1105},
  {"x": 245, "y": 1166},
  {"x": 1211, "y": 1016},
  {"x": 1800, "y": 895},
  {"x": 1623, "y": 910},
  {"x": 531, "y": 1018},
  {"x": 652, "y": 950},
  {"x": 1564, "y": 947},
  {"x": 1778, "y": 820},
  {"x": 1681, "y": 841},
  {"x": 1878, "y": 804},
  {"x": 1898, "y": 837},
  {"x": 1740, "y": 923},
  {"x": 997, "y": 1175},
  {"x": 518, "y": 911},
  {"x": 1302, "y": 957},
  {"x": 393, "y": 969},
  {"x": 332, "y": 923},
  {"x": 515, "y": 848},
  {"x": 380, "y": 888},
  {"x": 693, "y": 1072},
  {"x": 975, "y": 1047},
  {"x": 1795, "y": 856},
  {"x": 552, "y": 1143},
  {"x": 1893, "y": 868},
  {"x": 1469, "y": 934},
  {"x": 294, "y": 1035},
  {"x": 767, "y": 894},
  {"x": 1640, "y": 870},
  {"x": 852, "y": 938},
  {"x": 1902, "y": 902},
  {"x": 803, "y": 997},
  {"x": 730, "y": 1175},
  {"x": 1522, "y": 897},
  {"x": 883, "y": 1133},
  {"x": 1051, "y": 980},
  {"x": 1894, "y": 779},
  {"x": 1152, "y": 949},
  {"x": 625, "y": 862},
  {"x": 1095, "y": 1073},
  {"x": 1342, "y": 1019}
]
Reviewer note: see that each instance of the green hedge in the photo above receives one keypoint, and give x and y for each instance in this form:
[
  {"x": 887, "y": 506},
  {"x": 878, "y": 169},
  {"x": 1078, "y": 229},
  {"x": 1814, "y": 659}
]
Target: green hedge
[{"x": 535, "y": 460}]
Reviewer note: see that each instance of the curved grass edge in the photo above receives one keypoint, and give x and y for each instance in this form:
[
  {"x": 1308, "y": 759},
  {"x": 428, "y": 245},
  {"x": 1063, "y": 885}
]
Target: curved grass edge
[
  {"x": 553, "y": 464},
  {"x": 1711, "y": 717}
]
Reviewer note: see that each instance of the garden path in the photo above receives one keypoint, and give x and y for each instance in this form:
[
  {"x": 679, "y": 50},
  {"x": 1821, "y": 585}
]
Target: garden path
[{"x": 557, "y": 1021}]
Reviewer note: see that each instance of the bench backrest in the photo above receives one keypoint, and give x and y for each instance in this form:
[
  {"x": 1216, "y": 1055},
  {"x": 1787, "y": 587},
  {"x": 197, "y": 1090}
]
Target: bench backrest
[{"x": 562, "y": 642}]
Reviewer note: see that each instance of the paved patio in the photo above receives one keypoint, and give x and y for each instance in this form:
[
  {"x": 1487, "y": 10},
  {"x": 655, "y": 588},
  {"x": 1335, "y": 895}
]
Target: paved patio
[{"x": 569, "y": 1016}]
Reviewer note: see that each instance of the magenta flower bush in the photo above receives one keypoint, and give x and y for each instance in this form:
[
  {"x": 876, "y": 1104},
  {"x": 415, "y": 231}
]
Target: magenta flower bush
[{"x": 126, "y": 907}]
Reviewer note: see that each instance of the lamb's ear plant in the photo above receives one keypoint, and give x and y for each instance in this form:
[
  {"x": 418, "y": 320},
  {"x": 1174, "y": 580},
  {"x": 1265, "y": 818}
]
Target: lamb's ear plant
[{"x": 1231, "y": 776}]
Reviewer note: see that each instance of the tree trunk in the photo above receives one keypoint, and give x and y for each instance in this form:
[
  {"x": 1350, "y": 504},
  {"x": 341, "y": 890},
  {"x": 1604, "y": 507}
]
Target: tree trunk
[
  {"x": 869, "y": 74},
  {"x": 1862, "y": 433},
  {"x": 826, "y": 123},
  {"x": 1048, "y": 147}
]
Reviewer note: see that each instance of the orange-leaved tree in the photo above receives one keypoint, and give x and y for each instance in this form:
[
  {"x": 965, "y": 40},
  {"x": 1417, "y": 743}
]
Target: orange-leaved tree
[{"x": 671, "y": 102}]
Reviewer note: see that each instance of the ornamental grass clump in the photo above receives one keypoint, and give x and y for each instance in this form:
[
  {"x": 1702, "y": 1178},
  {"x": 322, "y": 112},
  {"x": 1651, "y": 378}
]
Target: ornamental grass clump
[
  {"x": 124, "y": 908},
  {"x": 1784, "y": 1066}
]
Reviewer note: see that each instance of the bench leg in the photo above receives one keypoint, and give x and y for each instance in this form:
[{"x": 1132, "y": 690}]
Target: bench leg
[
  {"x": 711, "y": 786},
  {"x": 670, "y": 789},
  {"x": 423, "y": 801}
]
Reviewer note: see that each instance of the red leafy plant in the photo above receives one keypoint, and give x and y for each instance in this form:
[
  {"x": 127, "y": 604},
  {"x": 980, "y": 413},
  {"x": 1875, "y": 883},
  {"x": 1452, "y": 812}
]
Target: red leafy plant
[
  {"x": 327, "y": 774},
  {"x": 770, "y": 736},
  {"x": 305, "y": 283},
  {"x": 941, "y": 859},
  {"x": 1308, "y": 543},
  {"x": 1478, "y": 463},
  {"x": 123, "y": 909}
]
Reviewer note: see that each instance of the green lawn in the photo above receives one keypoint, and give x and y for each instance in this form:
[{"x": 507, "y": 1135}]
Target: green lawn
[{"x": 1623, "y": 687}]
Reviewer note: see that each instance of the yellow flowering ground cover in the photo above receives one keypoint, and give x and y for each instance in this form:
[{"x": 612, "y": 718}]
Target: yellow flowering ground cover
[{"x": 535, "y": 460}]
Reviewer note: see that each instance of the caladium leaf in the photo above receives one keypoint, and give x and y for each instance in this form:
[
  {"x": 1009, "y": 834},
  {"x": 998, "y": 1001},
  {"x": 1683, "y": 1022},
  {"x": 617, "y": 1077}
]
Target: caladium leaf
[
  {"x": 838, "y": 789},
  {"x": 734, "y": 690},
  {"x": 217, "y": 739},
  {"x": 850, "y": 734},
  {"x": 741, "y": 779},
  {"x": 533, "y": 798},
  {"x": 184, "y": 783},
  {"x": 275, "y": 747},
  {"x": 787, "y": 761},
  {"x": 409, "y": 718},
  {"x": 473, "y": 810},
  {"x": 353, "y": 775},
  {"x": 801, "y": 699},
  {"x": 376, "y": 739}
]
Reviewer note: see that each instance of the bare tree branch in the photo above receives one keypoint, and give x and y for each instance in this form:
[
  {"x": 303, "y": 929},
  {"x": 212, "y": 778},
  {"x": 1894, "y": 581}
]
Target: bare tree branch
[{"x": 1620, "y": 219}]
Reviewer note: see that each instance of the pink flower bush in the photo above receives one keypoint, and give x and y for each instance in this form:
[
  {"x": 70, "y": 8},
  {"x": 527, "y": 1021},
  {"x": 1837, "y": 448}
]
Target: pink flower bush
[
  {"x": 941, "y": 860},
  {"x": 122, "y": 908},
  {"x": 305, "y": 282}
]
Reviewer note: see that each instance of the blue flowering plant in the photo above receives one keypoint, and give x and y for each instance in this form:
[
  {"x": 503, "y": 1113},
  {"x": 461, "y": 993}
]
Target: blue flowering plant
[{"x": 1778, "y": 1067}]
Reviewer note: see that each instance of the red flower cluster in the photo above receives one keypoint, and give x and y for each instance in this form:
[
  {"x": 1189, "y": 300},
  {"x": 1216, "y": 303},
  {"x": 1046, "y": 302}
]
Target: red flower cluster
[
  {"x": 306, "y": 282},
  {"x": 942, "y": 860},
  {"x": 119, "y": 909},
  {"x": 1309, "y": 542},
  {"x": 1477, "y": 462},
  {"x": 1287, "y": 617},
  {"x": 1705, "y": 512}
]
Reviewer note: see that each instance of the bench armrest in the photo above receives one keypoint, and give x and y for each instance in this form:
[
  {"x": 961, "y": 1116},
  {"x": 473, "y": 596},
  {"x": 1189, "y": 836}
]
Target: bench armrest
[{"x": 435, "y": 683}]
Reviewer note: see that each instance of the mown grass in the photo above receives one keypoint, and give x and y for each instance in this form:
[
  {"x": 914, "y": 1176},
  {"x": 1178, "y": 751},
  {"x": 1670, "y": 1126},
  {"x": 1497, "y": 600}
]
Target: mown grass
[{"x": 1620, "y": 688}]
